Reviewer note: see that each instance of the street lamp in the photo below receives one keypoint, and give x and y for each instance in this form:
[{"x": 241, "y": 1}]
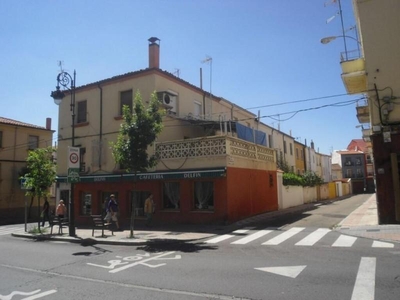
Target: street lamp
[
  {"x": 67, "y": 81},
  {"x": 328, "y": 39}
]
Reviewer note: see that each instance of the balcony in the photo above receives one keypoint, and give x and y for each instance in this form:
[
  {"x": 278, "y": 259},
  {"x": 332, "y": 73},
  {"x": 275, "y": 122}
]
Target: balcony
[
  {"x": 366, "y": 133},
  {"x": 363, "y": 112},
  {"x": 214, "y": 151},
  {"x": 353, "y": 73}
]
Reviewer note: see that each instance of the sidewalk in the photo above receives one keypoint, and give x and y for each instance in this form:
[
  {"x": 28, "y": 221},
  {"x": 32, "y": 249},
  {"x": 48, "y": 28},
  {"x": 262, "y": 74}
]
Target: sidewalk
[{"x": 363, "y": 222}]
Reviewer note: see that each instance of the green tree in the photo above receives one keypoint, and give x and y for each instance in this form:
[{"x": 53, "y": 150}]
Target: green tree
[
  {"x": 312, "y": 179},
  {"x": 282, "y": 164},
  {"x": 41, "y": 174},
  {"x": 138, "y": 131}
]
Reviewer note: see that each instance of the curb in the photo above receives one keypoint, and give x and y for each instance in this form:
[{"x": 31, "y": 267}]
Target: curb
[{"x": 93, "y": 241}]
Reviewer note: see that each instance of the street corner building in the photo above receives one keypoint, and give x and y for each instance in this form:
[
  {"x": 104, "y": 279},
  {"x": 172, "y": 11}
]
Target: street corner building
[{"x": 217, "y": 162}]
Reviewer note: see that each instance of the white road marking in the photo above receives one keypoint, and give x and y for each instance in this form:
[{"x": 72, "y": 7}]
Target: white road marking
[
  {"x": 292, "y": 271},
  {"x": 241, "y": 231},
  {"x": 379, "y": 244},
  {"x": 364, "y": 287},
  {"x": 219, "y": 239},
  {"x": 313, "y": 237},
  {"x": 344, "y": 241},
  {"x": 252, "y": 237},
  {"x": 40, "y": 295},
  {"x": 284, "y": 236}
]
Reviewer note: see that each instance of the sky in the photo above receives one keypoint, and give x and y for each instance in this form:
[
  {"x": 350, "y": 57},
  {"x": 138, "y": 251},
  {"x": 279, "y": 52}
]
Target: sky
[{"x": 266, "y": 56}]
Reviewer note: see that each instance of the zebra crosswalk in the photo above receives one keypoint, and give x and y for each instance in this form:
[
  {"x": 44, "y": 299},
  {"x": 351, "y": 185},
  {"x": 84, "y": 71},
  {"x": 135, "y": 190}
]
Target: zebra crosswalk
[
  {"x": 301, "y": 237},
  {"x": 8, "y": 229}
]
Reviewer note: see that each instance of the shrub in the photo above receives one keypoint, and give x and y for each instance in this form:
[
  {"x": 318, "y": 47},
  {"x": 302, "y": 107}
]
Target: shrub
[{"x": 292, "y": 179}]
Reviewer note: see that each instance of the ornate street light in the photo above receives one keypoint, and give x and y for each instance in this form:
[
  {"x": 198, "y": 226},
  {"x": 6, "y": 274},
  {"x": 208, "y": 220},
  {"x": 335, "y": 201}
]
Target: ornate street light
[{"x": 68, "y": 82}]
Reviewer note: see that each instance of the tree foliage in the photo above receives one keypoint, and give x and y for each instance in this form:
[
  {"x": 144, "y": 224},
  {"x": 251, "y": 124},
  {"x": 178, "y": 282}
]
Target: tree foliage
[
  {"x": 41, "y": 172},
  {"x": 39, "y": 175},
  {"x": 312, "y": 179},
  {"x": 283, "y": 165},
  {"x": 138, "y": 131}
]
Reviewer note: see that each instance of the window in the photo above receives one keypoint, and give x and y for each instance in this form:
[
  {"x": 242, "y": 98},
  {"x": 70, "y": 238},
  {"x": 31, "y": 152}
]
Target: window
[
  {"x": 82, "y": 106},
  {"x": 137, "y": 202},
  {"x": 348, "y": 173},
  {"x": 284, "y": 147},
  {"x": 86, "y": 204},
  {"x": 171, "y": 195},
  {"x": 33, "y": 142},
  {"x": 1, "y": 139},
  {"x": 197, "y": 109},
  {"x": 297, "y": 153},
  {"x": 292, "y": 169},
  {"x": 358, "y": 161},
  {"x": 348, "y": 162},
  {"x": 126, "y": 99},
  {"x": 302, "y": 155},
  {"x": 291, "y": 148},
  {"x": 204, "y": 195}
]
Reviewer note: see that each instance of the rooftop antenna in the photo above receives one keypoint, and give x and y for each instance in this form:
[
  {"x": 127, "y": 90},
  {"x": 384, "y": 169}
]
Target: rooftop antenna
[
  {"x": 177, "y": 72},
  {"x": 60, "y": 63},
  {"x": 207, "y": 60}
]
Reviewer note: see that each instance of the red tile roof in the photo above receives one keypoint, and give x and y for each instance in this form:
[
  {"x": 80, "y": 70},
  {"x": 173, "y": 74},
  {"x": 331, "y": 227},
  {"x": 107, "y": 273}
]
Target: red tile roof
[{"x": 18, "y": 123}]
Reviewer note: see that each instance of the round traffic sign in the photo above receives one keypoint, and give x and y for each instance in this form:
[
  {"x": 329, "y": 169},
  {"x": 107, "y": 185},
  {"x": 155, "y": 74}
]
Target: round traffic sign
[{"x": 73, "y": 158}]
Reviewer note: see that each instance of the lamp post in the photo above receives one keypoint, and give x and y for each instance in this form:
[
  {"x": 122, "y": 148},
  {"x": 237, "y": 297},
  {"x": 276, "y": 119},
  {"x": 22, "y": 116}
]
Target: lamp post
[
  {"x": 67, "y": 81},
  {"x": 328, "y": 39}
]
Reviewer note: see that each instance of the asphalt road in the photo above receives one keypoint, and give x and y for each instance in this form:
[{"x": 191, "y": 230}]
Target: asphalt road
[{"x": 295, "y": 263}]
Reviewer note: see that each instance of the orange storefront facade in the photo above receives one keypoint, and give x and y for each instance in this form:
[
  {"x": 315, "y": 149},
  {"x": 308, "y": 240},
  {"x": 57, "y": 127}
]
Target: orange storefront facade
[{"x": 202, "y": 196}]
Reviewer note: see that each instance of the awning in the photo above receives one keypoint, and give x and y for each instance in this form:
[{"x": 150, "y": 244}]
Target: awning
[{"x": 166, "y": 175}]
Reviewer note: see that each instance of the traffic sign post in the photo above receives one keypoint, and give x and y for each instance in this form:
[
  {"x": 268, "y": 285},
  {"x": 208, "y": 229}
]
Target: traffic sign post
[{"x": 73, "y": 164}]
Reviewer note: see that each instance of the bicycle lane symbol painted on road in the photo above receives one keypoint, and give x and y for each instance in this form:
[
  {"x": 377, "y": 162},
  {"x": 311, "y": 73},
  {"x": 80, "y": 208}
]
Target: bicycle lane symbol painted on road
[
  {"x": 139, "y": 259},
  {"x": 33, "y": 295}
]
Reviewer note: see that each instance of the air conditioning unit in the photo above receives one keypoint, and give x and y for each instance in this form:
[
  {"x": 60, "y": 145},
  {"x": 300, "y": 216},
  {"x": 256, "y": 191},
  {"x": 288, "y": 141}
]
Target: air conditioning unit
[{"x": 168, "y": 101}]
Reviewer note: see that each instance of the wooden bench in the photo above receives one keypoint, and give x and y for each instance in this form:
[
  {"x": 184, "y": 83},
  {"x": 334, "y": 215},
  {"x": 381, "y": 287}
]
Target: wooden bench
[
  {"x": 55, "y": 221},
  {"x": 100, "y": 223}
]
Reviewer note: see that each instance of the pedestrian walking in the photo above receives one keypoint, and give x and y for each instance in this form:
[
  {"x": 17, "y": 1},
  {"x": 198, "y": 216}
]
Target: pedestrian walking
[
  {"x": 149, "y": 209},
  {"x": 45, "y": 212},
  {"x": 113, "y": 209}
]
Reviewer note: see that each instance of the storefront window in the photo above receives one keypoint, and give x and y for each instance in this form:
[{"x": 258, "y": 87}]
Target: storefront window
[
  {"x": 137, "y": 202},
  {"x": 204, "y": 195},
  {"x": 86, "y": 204},
  {"x": 171, "y": 195}
]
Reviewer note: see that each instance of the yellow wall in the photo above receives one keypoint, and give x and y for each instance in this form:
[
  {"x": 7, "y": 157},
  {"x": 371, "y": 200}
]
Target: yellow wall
[{"x": 13, "y": 156}]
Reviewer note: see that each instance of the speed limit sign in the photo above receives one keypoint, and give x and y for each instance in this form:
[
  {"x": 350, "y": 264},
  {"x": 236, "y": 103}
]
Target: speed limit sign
[{"x": 73, "y": 157}]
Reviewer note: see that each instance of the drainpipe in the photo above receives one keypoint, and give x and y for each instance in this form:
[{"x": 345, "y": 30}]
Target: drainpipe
[{"x": 101, "y": 126}]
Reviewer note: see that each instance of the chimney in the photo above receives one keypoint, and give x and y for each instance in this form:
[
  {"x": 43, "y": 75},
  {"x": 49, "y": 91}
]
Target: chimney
[
  {"x": 154, "y": 52},
  {"x": 48, "y": 123}
]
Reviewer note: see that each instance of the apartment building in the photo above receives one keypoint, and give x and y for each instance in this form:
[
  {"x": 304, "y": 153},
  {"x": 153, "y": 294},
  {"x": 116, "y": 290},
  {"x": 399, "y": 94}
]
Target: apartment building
[
  {"x": 16, "y": 140},
  {"x": 372, "y": 70},
  {"x": 215, "y": 164}
]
